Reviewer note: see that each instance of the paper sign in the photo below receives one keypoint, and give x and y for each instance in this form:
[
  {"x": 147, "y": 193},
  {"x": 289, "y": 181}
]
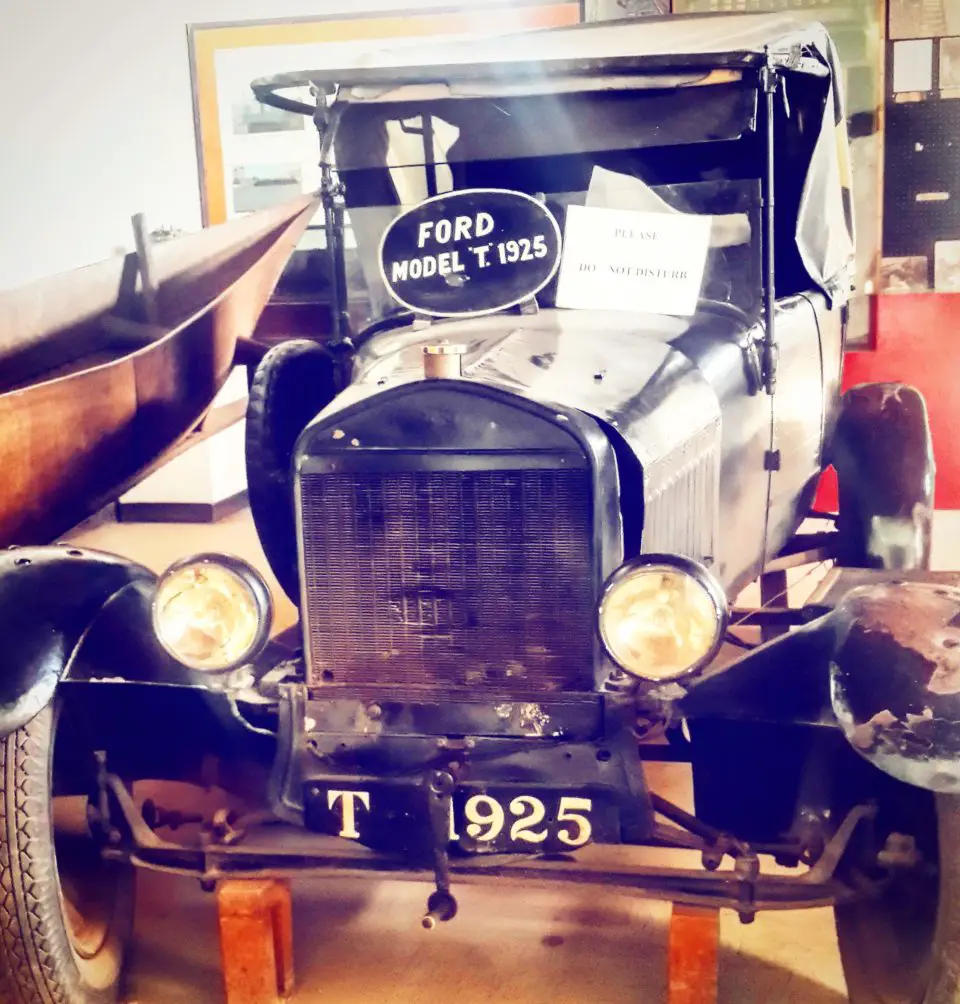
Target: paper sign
[
  {"x": 611, "y": 190},
  {"x": 616, "y": 259},
  {"x": 913, "y": 65}
]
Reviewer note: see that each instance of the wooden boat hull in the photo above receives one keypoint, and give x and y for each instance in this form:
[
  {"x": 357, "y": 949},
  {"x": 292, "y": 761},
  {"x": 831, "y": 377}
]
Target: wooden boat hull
[{"x": 73, "y": 443}]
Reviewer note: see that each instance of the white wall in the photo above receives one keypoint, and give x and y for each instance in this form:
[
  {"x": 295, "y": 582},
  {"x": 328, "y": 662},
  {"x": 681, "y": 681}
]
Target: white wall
[
  {"x": 211, "y": 471},
  {"x": 98, "y": 125},
  {"x": 98, "y": 120}
]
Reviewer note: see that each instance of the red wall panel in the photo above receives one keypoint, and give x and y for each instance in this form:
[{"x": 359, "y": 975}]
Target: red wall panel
[{"x": 917, "y": 343}]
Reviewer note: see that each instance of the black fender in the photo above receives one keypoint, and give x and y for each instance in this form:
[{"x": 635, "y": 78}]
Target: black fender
[
  {"x": 54, "y": 601},
  {"x": 882, "y": 452},
  {"x": 756, "y": 727},
  {"x": 879, "y": 661}
]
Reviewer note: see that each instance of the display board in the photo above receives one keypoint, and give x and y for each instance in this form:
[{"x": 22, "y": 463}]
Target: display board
[
  {"x": 252, "y": 155},
  {"x": 922, "y": 247}
]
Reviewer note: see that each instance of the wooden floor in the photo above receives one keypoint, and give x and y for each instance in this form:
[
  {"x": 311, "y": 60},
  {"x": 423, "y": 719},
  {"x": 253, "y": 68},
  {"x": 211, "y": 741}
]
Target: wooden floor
[{"x": 361, "y": 941}]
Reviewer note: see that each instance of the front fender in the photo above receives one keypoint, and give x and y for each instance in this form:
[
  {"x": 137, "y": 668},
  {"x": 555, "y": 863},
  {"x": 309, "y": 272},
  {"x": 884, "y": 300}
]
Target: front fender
[
  {"x": 881, "y": 660},
  {"x": 120, "y": 644},
  {"x": 49, "y": 598},
  {"x": 895, "y": 678}
]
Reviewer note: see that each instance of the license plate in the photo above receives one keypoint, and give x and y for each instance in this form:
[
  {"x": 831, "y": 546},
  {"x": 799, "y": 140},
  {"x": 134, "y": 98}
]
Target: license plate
[{"x": 503, "y": 819}]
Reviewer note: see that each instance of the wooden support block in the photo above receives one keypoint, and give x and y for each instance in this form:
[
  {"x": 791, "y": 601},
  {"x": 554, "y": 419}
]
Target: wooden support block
[
  {"x": 256, "y": 940},
  {"x": 692, "y": 955}
]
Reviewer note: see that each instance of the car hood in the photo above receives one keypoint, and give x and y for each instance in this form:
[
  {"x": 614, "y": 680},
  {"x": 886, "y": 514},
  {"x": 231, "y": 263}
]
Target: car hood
[{"x": 619, "y": 368}]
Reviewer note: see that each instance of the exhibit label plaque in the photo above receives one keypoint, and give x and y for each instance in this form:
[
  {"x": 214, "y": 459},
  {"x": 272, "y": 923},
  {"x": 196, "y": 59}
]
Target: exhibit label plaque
[{"x": 470, "y": 253}]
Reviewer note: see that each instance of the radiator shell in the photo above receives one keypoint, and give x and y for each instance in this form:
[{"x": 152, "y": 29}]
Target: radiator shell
[{"x": 453, "y": 542}]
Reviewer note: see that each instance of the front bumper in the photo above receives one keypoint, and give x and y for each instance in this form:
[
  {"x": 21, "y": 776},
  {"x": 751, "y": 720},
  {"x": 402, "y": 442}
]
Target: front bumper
[{"x": 260, "y": 848}]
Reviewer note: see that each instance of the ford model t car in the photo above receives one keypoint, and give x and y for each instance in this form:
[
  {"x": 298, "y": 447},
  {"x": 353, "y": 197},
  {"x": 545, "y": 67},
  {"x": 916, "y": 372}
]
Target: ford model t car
[{"x": 590, "y": 291}]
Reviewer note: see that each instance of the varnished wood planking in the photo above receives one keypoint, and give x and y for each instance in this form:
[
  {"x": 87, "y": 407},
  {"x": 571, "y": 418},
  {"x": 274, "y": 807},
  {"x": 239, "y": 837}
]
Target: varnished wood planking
[{"x": 71, "y": 443}]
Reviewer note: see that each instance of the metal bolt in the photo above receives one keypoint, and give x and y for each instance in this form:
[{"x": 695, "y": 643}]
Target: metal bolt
[
  {"x": 374, "y": 711},
  {"x": 441, "y": 782},
  {"x": 712, "y": 859}
]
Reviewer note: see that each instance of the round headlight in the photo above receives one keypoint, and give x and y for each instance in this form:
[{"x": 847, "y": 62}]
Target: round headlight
[
  {"x": 212, "y": 612},
  {"x": 662, "y": 617}
]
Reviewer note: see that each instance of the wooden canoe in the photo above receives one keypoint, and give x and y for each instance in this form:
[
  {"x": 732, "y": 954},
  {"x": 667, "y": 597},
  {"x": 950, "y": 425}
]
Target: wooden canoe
[{"x": 95, "y": 388}]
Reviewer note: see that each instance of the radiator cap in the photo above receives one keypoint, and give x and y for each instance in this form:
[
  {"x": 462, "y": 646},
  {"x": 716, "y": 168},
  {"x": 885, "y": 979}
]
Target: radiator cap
[{"x": 443, "y": 360}]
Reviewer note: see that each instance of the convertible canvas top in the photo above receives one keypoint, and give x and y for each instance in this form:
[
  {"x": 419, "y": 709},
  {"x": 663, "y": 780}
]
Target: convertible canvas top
[
  {"x": 649, "y": 44},
  {"x": 665, "y": 51}
]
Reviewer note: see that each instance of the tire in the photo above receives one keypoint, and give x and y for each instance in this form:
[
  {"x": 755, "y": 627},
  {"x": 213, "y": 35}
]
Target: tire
[
  {"x": 905, "y": 947},
  {"x": 294, "y": 381},
  {"x": 882, "y": 452},
  {"x": 46, "y": 958}
]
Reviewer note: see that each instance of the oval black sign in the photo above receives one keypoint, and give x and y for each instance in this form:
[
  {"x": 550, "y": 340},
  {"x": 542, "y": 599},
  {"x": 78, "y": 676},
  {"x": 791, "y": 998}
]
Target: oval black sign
[{"x": 470, "y": 253}]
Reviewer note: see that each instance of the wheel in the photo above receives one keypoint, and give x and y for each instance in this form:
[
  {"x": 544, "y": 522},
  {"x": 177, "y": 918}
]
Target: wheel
[
  {"x": 904, "y": 948},
  {"x": 294, "y": 381},
  {"x": 66, "y": 915},
  {"x": 882, "y": 452}
]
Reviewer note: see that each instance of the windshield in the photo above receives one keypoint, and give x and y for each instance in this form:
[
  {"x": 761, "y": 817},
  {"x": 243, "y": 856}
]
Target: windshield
[{"x": 685, "y": 151}]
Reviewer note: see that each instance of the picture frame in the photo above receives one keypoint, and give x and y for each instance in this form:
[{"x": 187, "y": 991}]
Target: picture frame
[
  {"x": 922, "y": 204},
  {"x": 248, "y": 157}
]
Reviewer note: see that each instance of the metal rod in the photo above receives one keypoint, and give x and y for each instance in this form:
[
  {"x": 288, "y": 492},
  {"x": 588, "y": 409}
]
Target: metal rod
[
  {"x": 769, "y": 616},
  {"x": 770, "y": 80},
  {"x": 331, "y": 197},
  {"x": 816, "y": 555},
  {"x": 428, "y": 155},
  {"x": 679, "y": 885},
  {"x": 677, "y": 815},
  {"x": 148, "y": 281},
  {"x": 773, "y": 586}
]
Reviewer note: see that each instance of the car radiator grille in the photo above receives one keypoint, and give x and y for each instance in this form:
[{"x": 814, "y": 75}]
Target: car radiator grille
[{"x": 480, "y": 580}]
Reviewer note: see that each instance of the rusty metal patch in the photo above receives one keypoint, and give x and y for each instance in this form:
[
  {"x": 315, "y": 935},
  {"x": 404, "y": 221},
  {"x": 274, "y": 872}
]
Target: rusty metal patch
[{"x": 895, "y": 679}]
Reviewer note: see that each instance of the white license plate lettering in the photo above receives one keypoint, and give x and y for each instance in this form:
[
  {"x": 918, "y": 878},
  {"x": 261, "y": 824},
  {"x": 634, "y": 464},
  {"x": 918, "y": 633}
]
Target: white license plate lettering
[
  {"x": 571, "y": 811},
  {"x": 529, "y": 812},
  {"x": 518, "y": 820},
  {"x": 348, "y": 801},
  {"x": 485, "y": 818}
]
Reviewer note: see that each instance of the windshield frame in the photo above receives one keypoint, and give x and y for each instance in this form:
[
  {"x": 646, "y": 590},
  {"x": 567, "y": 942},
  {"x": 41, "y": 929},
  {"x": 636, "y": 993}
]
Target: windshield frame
[{"x": 373, "y": 158}]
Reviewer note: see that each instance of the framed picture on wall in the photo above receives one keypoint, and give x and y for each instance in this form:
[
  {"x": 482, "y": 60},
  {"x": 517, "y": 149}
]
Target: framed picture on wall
[
  {"x": 251, "y": 155},
  {"x": 922, "y": 206}
]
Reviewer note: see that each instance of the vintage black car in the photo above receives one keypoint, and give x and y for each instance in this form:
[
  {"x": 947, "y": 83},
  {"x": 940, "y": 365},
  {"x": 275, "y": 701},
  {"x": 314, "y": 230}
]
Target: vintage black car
[{"x": 591, "y": 288}]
